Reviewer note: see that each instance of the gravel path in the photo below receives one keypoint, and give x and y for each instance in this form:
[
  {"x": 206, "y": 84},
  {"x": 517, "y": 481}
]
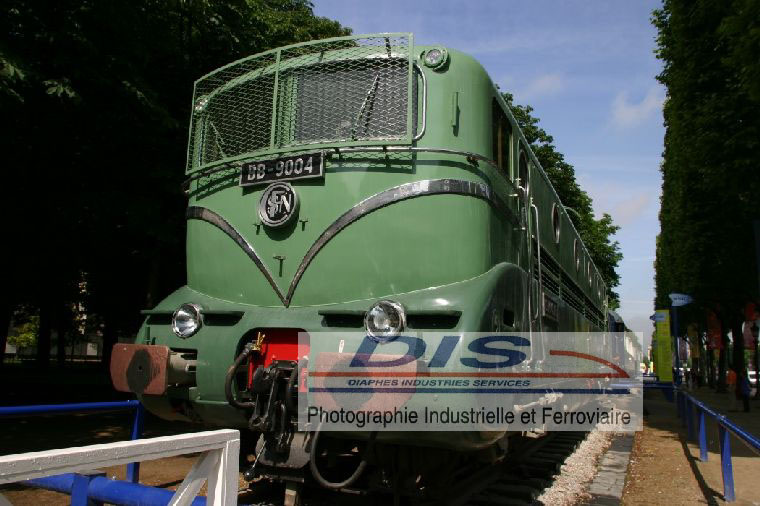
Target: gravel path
[{"x": 571, "y": 485}]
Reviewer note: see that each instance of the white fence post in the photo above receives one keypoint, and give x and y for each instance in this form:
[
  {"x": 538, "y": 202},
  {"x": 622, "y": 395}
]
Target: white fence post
[
  {"x": 217, "y": 464},
  {"x": 221, "y": 483}
]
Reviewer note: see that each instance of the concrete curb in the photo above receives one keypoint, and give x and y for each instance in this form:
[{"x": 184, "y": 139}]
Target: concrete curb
[{"x": 607, "y": 487}]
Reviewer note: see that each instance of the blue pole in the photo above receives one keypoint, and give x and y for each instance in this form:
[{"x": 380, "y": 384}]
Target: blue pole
[
  {"x": 66, "y": 408},
  {"x": 702, "y": 436},
  {"x": 79, "y": 486},
  {"x": 110, "y": 491},
  {"x": 133, "y": 468},
  {"x": 677, "y": 377},
  {"x": 725, "y": 464},
  {"x": 80, "y": 483}
]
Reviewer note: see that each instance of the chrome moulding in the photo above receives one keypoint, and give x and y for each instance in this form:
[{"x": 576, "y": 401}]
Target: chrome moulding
[{"x": 379, "y": 200}]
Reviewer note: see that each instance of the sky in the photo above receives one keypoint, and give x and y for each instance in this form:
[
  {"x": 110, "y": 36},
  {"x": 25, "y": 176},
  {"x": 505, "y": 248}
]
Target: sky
[{"x": 588, "y": 69}]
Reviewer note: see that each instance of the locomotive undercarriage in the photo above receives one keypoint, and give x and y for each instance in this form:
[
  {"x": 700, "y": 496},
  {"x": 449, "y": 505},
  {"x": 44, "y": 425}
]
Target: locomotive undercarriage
[
  {"x": 274, "y": 450},
  {"x": 266, "y": 378}
]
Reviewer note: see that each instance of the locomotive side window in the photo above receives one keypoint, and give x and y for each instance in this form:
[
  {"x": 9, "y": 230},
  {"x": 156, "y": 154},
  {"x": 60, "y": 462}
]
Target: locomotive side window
[
  {"x": 556, "y": 222},
  {"x": 501, "y": 130},
  {"x": 522, "y": 173},
  {"x": 576, "y": 255}
]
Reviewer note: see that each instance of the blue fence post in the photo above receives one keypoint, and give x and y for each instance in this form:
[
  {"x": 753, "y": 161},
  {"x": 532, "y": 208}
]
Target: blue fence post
[
  {"x": 133, "y": 468},
  {"x": 725, "y": 463},
  {"x": 702, "y": 436},
  {"x": 80, "y": 488},
  {"x": 690, "y": 419}
]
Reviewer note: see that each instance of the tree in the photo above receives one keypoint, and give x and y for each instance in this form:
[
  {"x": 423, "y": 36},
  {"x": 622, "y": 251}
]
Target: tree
[
  {"x": 595, "y": 233},
  {"x": 712, "y": 144},
  {"x": 25, "y": 333},
  {"x": 96, "y": 98}
]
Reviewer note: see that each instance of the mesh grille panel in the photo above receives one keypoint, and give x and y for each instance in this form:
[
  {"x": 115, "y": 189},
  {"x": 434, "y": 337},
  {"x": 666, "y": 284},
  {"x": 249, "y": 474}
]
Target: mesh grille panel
[{"x": 347, "y": 90}]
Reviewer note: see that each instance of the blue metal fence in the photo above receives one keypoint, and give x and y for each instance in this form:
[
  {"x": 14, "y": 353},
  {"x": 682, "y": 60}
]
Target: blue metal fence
[
  {"x": 89, "y": 488},
  {"x": 688, "y": 408},
  {"x": 133, "y": 469}
]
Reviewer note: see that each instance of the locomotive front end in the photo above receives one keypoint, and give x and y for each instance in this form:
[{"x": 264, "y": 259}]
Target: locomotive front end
[{"x": 334, "y": 186}]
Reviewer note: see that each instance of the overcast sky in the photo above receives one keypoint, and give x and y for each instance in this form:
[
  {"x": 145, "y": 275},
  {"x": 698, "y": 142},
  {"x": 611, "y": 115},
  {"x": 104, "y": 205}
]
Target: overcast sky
[{"x": 588, "y": 69}]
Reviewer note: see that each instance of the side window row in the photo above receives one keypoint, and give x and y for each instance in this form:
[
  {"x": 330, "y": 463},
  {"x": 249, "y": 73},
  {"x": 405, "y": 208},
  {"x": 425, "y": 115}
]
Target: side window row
[{"x": 501, "y": 130}]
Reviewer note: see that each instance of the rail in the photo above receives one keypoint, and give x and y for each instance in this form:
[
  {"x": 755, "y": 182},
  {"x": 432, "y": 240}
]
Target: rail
[
  {"x": 133, "y": 468},
  {"x": 216, "y": 465}
]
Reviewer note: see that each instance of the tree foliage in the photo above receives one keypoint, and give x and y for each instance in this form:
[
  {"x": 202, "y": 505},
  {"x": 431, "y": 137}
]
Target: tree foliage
[
  {"x": 711, "y": 187},
  {"x": 24, "y": 335},
  {"x": 595, "y": 233},
  {"x": 96, "y": 99}
]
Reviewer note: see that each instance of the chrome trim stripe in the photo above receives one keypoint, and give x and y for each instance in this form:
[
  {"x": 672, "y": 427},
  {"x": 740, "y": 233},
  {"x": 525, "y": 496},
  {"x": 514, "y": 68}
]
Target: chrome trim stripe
[
  {"x": 391, "y": 196},
  {"x": 209, "y": 216}
]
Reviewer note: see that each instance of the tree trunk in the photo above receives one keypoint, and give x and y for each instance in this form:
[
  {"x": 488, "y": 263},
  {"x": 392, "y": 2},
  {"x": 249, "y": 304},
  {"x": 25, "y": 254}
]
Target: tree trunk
[
  {"x": 757, "y": 368},
  {"x": 61, "y": 342},
  {"x": 6, "y": 309},
  {"x": 109, "y": 339},
  {"x": 45, "y": 330},
  {"x": 737, "y": 359},
  {"x": 723, "y": 358}
]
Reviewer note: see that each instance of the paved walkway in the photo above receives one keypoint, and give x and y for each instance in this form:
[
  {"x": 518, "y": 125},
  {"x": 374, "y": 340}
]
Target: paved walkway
[
  {"x": 665, "y": 466},
  {"x": 607, "y": 487}
]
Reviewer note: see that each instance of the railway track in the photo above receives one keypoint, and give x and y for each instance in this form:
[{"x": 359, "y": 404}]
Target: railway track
[{"x": 517, "y": 480}]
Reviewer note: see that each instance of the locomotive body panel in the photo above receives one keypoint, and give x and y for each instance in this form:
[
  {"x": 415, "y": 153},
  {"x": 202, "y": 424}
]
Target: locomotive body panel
[{"x": 438, "y": 217}]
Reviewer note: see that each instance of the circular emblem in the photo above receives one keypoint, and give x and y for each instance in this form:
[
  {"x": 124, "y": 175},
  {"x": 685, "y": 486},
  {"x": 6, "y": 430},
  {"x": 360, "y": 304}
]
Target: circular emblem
[{"x": 278, "y": 205}]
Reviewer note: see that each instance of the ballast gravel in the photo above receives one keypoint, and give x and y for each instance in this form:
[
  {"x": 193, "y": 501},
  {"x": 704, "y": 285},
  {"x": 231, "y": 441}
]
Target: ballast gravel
[{"x": 571, "y": 484}]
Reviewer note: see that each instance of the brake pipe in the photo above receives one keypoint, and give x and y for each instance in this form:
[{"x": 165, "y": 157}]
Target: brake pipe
[
  {"x": 229, "y": 378},
  {"x": 333, "y": 485}
]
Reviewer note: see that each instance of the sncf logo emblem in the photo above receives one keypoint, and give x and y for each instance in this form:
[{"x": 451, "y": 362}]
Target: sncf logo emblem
[
  {"x": 278, "y": 205},
  {"x": 486, "y": 352}
]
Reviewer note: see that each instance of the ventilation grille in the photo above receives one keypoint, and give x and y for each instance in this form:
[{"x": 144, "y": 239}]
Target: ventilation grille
[{"x": 347, "y": 90}]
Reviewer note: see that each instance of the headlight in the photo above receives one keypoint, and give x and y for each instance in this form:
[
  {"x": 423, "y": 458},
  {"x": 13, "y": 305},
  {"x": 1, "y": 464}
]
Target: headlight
[
  {"x": 385, "y": 319},
  {"x": 187, "y": 320},
  {"x": 435, "y": 58}
]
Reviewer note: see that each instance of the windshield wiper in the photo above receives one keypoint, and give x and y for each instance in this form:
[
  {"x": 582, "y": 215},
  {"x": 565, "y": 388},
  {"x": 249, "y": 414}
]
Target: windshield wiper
[{"x": 369, "y": 100}]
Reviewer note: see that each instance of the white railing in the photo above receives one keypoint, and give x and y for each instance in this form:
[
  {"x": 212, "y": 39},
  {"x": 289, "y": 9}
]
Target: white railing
[{"x": 217, "y": 464}]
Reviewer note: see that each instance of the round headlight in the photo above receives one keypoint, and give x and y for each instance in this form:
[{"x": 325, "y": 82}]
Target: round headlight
[
  {"x": 385, "y": 320},
  {"x": 187, "y": 320},
  {"x": 435, "y": 58}
]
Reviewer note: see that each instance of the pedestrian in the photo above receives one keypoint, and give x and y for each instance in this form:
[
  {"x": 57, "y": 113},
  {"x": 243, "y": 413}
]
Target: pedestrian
[
  {"x": 743, "y": 388},
  {"x": 731, "y": 383}
]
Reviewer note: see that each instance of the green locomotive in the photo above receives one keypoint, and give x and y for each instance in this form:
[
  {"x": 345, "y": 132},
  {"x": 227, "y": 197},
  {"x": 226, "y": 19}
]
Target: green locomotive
[{"x": 355, "y": 184}]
